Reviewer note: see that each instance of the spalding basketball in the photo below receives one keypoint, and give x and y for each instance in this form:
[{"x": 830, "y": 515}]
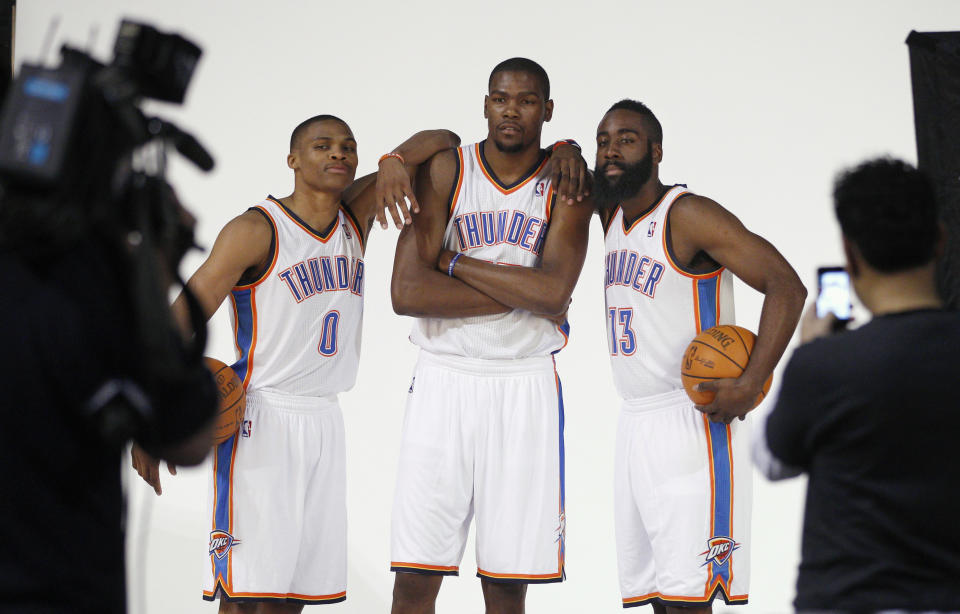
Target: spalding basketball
[
  {"x": 717, "y": 353},
  {"x": 233, "y": 400}
]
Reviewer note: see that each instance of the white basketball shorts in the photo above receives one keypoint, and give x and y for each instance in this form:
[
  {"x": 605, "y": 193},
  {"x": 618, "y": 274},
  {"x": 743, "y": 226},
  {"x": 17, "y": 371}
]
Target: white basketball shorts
[
  {"x": 682, "y": 488},
  {"x": 278, "y": 494},
  {"x": 481, "y": 438}
]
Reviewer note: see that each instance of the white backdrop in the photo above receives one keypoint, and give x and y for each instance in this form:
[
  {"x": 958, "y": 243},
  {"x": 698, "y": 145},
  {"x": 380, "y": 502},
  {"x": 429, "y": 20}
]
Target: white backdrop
[{"x": 761, "y": 103}]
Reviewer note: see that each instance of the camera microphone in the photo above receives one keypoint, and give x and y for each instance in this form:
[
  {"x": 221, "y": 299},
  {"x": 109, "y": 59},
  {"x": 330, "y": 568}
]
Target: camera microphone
[{"x": 184, "y": 142}]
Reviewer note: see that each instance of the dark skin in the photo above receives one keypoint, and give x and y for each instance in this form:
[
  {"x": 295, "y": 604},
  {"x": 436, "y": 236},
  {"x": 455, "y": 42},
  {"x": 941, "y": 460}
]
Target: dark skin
[
  {"x": 324, "y": 162},
  {"x": 515, "y": 111},
  {"x": 703, "y": 236}
]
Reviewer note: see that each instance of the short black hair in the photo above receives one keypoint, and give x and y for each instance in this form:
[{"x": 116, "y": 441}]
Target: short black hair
[
  {"x": 526, "y": 66},
  {"x": 298, "y": 131},
  {"x": 650, "y": 121},
  {"x": 888, "y": 209}
]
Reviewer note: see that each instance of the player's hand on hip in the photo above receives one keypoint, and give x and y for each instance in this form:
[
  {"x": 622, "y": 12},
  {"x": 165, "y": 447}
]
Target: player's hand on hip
[
  {"x": 569, "y": 173},
  {"x": 734, "y": 398},
  {"x": 394, "y": 192},
  {"x": 149, "y": 467}
]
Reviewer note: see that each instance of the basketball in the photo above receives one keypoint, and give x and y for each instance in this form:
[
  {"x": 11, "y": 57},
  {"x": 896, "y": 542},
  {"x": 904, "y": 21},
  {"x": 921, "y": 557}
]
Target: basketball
[
  {"x": 717, "y": 353},
  {"x": 233, "y": 400}
]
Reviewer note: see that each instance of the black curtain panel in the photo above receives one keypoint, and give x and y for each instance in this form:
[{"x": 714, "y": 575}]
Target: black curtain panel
[
  {"x": 935, "y": 73},
  {"x": 7, "y": 8}
]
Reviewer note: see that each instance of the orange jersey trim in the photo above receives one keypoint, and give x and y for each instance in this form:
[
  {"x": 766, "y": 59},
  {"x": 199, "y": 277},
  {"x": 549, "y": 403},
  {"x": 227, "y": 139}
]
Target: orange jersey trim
[
  {"x": 623, "y": 222},
  {"x": 339, "y": 595},
  {"x": 713, "y": 495},
  {"x": 509, "y": 576},
  {"x": 696, "y": 296},
  {"x": 697, "y": 599},
  {"x": 732, "y": 491},
  {"x": 455, "y": 194},
  {"x": 253, "y": 332},
  {"x": 276, "y": 252},
  {"x": 566, "y": 338},
  {"x": 427, "y": 567},
  {"x": 347, "y": 214},
  {"x": 495, "y": 182},
  {"x": 310, "y": 231},
  {"x": 219, "y": 579},
  {"x": 676, "y": 267},
  {"x": 551, "y": 202}
]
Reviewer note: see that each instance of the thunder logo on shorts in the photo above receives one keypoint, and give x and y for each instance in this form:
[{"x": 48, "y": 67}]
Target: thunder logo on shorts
[
  {"x": 719, "y": 550},
  {"x": 221, "y": 542}
]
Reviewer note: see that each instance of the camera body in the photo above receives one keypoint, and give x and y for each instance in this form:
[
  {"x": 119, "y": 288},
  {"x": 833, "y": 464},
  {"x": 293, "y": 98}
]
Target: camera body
[
  {"x": 47, "y": 109},
  {"x": 70, "y": 141}
]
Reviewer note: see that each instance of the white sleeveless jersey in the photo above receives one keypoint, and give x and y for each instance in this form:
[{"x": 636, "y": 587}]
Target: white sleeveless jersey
[
  {"x": 505, "y": 224},
  {"x": 653, "y": 307},
  {"x": 297, "y": 327}
]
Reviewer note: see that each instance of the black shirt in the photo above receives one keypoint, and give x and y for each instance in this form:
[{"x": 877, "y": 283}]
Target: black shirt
[
  {"x": 873, "y": 416},
  {"x": 66, "y": 329}
]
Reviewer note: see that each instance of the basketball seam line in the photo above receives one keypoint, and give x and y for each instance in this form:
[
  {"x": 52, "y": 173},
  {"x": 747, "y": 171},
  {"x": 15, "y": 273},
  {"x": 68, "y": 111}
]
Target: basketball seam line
[{"x": 742, "y": 368}]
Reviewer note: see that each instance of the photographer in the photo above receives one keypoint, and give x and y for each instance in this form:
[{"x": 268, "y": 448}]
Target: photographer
[
  {"x": 91, "y": 355},
  {"x": 870, "y": 413}
]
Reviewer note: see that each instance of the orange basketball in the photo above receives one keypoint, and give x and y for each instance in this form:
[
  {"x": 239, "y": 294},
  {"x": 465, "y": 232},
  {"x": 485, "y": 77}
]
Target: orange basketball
[
  {"x": 233, "y": 400},
  {"x": 717, "y": 353}
]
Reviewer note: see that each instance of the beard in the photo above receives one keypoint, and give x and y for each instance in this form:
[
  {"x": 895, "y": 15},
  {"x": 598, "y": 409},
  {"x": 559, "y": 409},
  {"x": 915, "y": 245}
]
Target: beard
[
  {"x": 609, "y": 192},
  {"x": 507, "y": 148}
]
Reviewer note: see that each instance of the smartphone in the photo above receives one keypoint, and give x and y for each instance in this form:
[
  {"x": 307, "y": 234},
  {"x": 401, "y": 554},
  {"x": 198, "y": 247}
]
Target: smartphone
[{"x": 833, "y": 292}]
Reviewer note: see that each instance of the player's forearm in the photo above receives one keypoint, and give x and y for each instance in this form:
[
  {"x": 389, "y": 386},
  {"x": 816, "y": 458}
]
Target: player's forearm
[
  {"x": 519, "y": 287},
  {"x": 421, "y": 146},
  {"x": 430, "y": 293},
  {"x": 782, "y": 305}
]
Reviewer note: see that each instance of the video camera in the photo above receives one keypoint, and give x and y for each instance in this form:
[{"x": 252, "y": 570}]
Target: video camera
[{"x": 76, "y": 149}]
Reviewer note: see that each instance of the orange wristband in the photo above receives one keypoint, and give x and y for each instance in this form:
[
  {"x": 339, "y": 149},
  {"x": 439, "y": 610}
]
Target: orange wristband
[
  {"x": 570, "y": 142},
  {"x": 392, "y": 154}
]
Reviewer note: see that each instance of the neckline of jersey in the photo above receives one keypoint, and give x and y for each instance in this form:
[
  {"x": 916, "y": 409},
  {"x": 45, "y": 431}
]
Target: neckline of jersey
[
  {"x": 656, "y": 204},
  {"x": 324, "y": 235},
  {"x": 513, "y": 187}
]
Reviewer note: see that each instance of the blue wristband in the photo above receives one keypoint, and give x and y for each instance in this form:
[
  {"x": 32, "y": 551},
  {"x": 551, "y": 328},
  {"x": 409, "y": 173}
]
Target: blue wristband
[{"x": 453, "y": 261}]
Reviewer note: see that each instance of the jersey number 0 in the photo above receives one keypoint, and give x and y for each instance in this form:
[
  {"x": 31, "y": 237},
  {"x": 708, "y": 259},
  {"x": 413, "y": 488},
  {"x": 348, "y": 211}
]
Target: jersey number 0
[{"x": 328, "y": 333}]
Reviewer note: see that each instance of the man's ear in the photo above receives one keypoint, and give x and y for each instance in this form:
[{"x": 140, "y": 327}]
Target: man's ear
[
  {"x": 940, "y": 243},
  {"x": 852, "y": 255}
]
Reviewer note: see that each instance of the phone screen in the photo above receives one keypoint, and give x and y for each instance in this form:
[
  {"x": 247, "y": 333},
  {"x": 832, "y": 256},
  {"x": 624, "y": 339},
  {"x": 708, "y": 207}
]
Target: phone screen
[{"x": 834, "y": 296}]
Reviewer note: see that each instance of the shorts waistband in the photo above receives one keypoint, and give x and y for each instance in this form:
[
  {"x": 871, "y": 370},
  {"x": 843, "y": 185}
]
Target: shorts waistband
[
  {"x": 270, "y": 400},
  {"x": 535, "y": 365},
  {"x": 668, "y": 400}
]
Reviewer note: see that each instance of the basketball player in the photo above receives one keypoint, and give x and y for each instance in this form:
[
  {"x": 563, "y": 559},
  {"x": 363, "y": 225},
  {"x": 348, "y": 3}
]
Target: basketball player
[
  {"x": 682, "y": 478},
  {"x": 487, "y": 264},
  {"x": 293, "y": 268}
]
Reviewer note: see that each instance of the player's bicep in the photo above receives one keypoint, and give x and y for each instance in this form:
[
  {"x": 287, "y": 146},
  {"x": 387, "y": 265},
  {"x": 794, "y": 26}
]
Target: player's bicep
[
  {"x": 361, "y": 198},
  {"x": 243, "y": 244},
  {"x": 708, "y": 227},
  {"x": 565, "y": 246},
  {"x": 433, "y": 183}
]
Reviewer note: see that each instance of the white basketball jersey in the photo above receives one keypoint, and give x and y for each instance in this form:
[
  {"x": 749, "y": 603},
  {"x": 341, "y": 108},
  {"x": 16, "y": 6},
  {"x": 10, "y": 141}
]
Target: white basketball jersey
[
  {"x": 297, "y": 327},
  {"x": 503, "y": 224},
  {"x": 653, "y": 307}
]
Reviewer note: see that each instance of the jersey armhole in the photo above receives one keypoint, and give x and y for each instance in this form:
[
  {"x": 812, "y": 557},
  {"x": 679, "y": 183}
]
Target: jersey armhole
[
  {"x": 252, "y": 279},
  {"x": 668, "y": 246},
  {"x": 457, "y": 184},
  {"x": 606, "y": 223},
  {"x": 356, "y": 225}
]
